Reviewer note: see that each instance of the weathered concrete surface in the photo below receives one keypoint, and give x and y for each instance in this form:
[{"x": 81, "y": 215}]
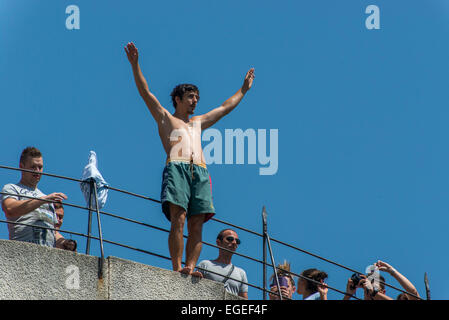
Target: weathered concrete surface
[
  {"x": 29, "y": 271},
  {"x": 131, "y": 280}
]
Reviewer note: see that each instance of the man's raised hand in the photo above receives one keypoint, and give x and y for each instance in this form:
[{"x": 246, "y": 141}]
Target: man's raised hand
[
  {"x": 132, "y": 53},
  {"x": 248, "y": 82}
]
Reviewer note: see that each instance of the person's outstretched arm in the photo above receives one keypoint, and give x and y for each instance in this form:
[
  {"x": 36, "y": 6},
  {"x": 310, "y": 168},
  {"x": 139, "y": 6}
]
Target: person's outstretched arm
[
  {"x": 403, "y": 281},
  {"x": 14, "y": 208},
  {"x": 157, "y": 111},
  {"x": 210, "y": 118}
]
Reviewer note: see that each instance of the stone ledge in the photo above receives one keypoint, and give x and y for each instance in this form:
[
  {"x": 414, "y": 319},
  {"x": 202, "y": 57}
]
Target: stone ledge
[{"x": 33, "y": 272}]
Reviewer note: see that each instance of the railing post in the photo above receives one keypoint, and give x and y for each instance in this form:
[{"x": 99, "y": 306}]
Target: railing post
[
  {"x": 264, "y": 246},
  {"x": 89, "y": 219},
  {"x": 100, "y": 233},
  {"x": 267, "y": 237},
  {"x": 426, "y": 282}
]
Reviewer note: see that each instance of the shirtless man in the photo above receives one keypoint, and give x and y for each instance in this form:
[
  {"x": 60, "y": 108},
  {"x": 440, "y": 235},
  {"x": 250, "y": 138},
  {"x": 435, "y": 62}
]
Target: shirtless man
[{"x": 186, "y": 189}]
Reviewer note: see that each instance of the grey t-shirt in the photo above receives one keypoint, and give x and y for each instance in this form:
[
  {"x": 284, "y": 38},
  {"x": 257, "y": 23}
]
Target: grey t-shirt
[
  {"x": 43, "y": 216},
  {"x": 231, "y": 286}
]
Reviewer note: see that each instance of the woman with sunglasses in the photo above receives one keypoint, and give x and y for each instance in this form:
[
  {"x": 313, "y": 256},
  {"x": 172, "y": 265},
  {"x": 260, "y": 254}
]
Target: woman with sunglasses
[{"x": 222, "y": 270}]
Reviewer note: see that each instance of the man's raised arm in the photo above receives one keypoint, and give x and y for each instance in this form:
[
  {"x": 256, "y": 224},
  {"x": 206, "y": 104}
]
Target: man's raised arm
[
  {"x": 157, "y": 111},
  {"x": 216, "y": 114}
]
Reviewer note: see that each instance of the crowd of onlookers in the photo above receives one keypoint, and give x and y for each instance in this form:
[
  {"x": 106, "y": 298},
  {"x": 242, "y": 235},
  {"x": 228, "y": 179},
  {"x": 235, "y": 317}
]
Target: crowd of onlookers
[
  {"x": 37, "y": 218},
  {"x": 311, "y": 284}
]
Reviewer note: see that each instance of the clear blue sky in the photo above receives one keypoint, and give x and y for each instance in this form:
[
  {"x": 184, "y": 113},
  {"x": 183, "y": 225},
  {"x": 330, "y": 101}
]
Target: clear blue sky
[{"x": 362, "y": 119}]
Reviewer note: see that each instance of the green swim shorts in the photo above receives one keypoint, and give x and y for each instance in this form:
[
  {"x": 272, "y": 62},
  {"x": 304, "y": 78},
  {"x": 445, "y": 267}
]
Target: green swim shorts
[{"x": 188, "y": 186}]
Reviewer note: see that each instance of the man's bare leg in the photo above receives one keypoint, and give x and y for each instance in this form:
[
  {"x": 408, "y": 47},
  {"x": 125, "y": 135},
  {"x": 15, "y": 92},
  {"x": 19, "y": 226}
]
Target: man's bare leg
[
  {"x": 194, "y": 244},
  {"x": 175, "y": 237}
]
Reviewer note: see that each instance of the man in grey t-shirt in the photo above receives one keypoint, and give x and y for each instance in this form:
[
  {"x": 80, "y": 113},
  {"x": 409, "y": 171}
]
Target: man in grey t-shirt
[
  {"x": 18, "y": 207},
  {"x": 222, "y": 270}
]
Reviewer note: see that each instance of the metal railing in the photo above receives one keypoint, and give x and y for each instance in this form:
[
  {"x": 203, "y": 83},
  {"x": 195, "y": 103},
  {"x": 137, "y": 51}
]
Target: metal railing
[{"x": 266, "y": 240}]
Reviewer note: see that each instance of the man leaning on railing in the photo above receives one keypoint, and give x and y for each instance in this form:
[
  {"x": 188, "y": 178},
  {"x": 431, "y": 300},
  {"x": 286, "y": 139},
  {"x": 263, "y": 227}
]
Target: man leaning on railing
[{"x": 18, "y": 207}]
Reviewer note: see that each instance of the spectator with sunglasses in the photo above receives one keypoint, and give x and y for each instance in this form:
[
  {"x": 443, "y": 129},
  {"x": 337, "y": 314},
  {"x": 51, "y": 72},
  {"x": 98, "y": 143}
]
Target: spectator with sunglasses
[{"x": 221, "y": 269}]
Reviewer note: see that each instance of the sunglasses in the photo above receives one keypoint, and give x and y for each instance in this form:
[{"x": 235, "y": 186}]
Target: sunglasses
[{"x": 230, "y": 239}]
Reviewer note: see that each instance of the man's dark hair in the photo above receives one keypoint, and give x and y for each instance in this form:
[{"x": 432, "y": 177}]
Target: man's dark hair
[
  {"x": 31, "y": 152},
  {"x": 221, "y": 233},
  {"x": 180, "y": 89},
  {"x": 58, "y": 205}
]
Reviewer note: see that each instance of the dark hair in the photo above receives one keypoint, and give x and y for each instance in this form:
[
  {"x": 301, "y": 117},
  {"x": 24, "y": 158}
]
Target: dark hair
[
  {"x": 29, "y": 152},
  {"x": 220, "y": 235},
  {"x": 313, "y": 274},
  {"x": 58, "y": 205},
  {"x": 402, "y": 296},
  {"x": 180, "y": 89}
]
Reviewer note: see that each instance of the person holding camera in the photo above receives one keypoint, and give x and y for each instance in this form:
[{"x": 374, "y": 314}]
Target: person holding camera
[
  {"x": 311, "y": 290},
  {"x": 372, "y": 290},
  {"x": 286, "y": 283},
  {"x": 403, "y": 281},
  {"x": 61, "y": 242}
]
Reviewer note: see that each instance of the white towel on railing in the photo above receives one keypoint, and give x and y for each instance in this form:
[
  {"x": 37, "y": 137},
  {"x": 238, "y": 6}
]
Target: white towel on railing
[{"x": 91, "y": 172}]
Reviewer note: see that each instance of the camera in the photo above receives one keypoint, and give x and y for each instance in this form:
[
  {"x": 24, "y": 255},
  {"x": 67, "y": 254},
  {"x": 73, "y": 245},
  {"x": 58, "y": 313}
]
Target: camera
[
  {"x": 70, "y": 245},
  {"x": 356, "y": 277},
  {"x": 283, "y": 282}
]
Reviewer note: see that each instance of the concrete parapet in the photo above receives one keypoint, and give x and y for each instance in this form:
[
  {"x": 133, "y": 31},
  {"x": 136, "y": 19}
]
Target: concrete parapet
[{"x": 33, "y": 272}]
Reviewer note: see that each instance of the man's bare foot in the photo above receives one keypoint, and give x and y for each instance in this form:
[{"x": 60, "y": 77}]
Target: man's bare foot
[
  {"x": 197, "y": 274},
  {"x": 186, "y": 270}
]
